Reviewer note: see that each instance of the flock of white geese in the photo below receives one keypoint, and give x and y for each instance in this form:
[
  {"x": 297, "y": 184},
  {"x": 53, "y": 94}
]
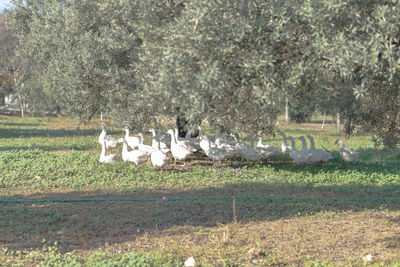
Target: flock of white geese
[{"x": 215, "y": 147}]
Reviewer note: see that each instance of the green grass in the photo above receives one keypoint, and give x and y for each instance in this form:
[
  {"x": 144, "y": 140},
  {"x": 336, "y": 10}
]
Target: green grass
[
  {"x": 36, "y": 170},
  {"x": 41, "y": 159},
  {"x": 47, "y": 158},
  {"x": 50, "y": 255}
]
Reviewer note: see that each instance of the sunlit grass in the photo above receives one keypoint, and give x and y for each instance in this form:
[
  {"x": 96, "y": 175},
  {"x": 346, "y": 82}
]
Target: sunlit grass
[{"x": 36, "y": 158}]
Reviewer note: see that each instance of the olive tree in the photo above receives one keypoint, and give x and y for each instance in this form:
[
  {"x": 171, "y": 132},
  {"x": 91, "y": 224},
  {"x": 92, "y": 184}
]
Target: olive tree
[
  {"x": 226, "y": 62},
  {"x": 61, "y": 37},
  {"x": 231, "y": 62},
  {"x": 359, "y": 40}
]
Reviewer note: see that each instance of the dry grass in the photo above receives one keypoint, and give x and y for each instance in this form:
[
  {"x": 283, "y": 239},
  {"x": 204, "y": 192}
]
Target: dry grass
[
  {"x": 340, "y": 240},
  {"x": 209, "y": 233}
]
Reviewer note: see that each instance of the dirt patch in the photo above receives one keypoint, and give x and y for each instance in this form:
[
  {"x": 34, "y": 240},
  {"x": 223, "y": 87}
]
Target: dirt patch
[{"x": 347, "y": 238}]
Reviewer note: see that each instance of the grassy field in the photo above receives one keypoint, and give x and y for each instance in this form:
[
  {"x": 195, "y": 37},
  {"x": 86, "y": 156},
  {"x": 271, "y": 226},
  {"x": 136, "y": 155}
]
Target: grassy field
[{"x": 47, "y": 158}]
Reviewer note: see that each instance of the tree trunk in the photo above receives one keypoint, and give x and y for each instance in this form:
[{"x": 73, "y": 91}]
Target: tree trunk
[
  {"x": 287, "y": 110},
  {"x": 181, "y": 123},
  {"x": 390, "y": 137},
  {"x": 2, "y": 100},
  {"x": 21, "y": 104},
  {"x": 347, "y": 126},
  {"x": 58, "y": 111},
  {"x": 323, "y": 121},
  {"x": 338, "y": 120}
]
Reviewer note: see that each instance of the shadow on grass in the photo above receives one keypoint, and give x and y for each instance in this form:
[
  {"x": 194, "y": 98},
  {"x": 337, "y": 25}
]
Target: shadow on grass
[
  {"x": 47, "y": 148},
  {"x": 336, "y": 165},
  {"x": 46, "y": 133},
  {"x": 16, "y": 124},
  {"x": 315, "y": 132},
  {"x": 327, "y": 122},
  {"x": 371, "y": 161},
  {"x": 93, "y": 224}
]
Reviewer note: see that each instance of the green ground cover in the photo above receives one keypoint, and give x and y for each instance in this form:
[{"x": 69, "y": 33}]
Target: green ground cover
[{"x": 47, "y": 158}]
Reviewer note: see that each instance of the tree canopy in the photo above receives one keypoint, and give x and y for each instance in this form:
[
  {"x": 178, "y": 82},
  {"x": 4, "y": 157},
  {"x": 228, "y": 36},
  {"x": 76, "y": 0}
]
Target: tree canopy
[{"x": 231, "y": 62}]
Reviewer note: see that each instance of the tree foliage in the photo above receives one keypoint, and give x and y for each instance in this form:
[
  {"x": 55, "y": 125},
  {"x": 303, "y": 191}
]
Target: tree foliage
[
  {"x": 231, "y": 62},
  {"x": 7, "y": 44},
  {"x": 363, "y": 48}
]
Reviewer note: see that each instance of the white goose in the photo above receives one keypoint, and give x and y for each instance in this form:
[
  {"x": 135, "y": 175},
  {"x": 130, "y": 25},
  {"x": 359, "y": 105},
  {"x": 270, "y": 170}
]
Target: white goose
[
  {"x": 135, "y": 156},
  {"x": 157, "y": 143},
  {"x": 133, "y": 141},
  {"x": 215, "y": 153},
  {"x": 266, "y": 149},
  {"x": 303, "y": 144},
  {"x": 285, "y": 147},
  {"x": 108, "y": 158},
  {"x": 314, "y": 157},
  {"x": 347, "y": 153},
  {"x": 164, "y": 138},
  {"x": 205, "y": 145},
  {"x": 179, "y": 152},
  {"x": 318, "y": 155},
  {"x": 219, "y": 141},
  {"x": 247, "y": 152},
  {"x": 201, "y": 134},
  {"x": 192, "y": 144},
  {"x": 143, "y": 147},
  {"x": 158, "y": 158},
  {"x": 111, "y": 142},
  {"x": 300, "y": 156},
  {"x": 223, "y": 143}
]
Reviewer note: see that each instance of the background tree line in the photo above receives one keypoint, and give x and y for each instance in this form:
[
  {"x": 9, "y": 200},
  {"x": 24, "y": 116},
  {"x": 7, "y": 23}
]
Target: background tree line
[{"x": 236, "y": 63}]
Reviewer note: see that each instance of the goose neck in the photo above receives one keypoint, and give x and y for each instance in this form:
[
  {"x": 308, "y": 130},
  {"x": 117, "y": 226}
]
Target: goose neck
[
  {"x": 293, "y": 145},
  {"x": 312, "y": 144},
  {"x": 260, "y": 141},
  {"x": 342, "y": 146},
  {"x": 158, "y": 145},
  {"x": 103, "y": 148},
  {"x": 156, "y": 141},
  {"x": 176, "y": 132},
  {"x": 173, "y": 140},
  {"x": 303, "y": 144},
  {"x": 284, "y": 139},
  {"x": 124, "y": 147}
]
